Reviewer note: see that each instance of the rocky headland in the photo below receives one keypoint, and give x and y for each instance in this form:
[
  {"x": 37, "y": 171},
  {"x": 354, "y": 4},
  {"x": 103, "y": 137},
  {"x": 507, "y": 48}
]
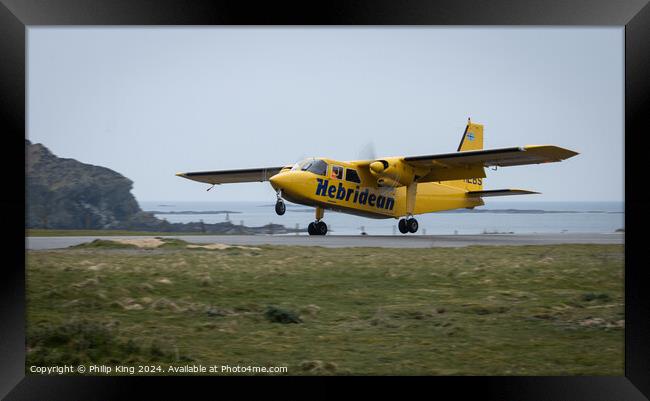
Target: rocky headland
[{"x": 67, "y": 194}]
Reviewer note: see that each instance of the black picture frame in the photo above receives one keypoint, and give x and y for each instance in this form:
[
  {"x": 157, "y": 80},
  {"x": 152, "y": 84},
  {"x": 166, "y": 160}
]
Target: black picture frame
[{"x": 17, "y": 15}]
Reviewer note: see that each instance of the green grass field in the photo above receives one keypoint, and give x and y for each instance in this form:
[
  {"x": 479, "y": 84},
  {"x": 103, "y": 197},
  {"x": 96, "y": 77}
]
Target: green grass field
[{"x": 520, "y": 310}]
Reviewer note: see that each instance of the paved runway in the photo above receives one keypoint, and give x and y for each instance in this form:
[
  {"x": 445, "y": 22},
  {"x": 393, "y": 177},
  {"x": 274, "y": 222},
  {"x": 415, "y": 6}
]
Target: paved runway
[{"x": 342, "y": 241}]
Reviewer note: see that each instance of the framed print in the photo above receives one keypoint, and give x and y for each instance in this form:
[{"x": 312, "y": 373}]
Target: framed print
[{"x": 330, "y": 115}]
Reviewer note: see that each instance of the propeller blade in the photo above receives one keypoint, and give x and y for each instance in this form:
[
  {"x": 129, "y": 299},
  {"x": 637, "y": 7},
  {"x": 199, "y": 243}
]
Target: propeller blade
[{"x": 367, "y": 152}]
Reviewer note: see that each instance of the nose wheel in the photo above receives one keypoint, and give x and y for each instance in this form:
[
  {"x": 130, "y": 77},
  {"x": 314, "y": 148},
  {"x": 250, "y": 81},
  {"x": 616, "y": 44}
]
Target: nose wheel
[
  {"x": 408, "y": 225},
  {"x": 280, "y": 207}
]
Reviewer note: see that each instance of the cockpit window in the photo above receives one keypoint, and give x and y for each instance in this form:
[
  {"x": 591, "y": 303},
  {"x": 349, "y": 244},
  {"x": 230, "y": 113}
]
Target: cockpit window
[
  {"x": 318, "y": 167},
  {"x": 315, "y": 166}
]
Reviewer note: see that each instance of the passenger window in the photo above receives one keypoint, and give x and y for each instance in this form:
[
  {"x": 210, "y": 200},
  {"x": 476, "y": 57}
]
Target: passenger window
[
  {"x": 352, "y": 176},
  {"x": 337, "y": 172}
]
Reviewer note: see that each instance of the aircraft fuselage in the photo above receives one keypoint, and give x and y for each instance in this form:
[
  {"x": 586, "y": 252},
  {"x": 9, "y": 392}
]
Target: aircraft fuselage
[{"x": 339, "y": 190}]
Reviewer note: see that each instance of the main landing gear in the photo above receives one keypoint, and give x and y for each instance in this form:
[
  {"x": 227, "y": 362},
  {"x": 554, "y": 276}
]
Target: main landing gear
[
  {"x": 408, "y": 225},
  {"x": 318, "y": 227}
]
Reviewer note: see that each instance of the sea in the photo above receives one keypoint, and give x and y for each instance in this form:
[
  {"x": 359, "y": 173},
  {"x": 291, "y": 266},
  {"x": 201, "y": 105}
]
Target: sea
[{"x": 495, "y": 217}]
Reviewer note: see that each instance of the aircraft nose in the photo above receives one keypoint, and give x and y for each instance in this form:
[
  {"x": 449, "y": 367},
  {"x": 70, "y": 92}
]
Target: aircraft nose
[{"x": 278, "y": 181}]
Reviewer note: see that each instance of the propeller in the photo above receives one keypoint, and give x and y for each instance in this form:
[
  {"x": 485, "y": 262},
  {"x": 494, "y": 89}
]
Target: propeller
[{"x": 367, "y": 152}]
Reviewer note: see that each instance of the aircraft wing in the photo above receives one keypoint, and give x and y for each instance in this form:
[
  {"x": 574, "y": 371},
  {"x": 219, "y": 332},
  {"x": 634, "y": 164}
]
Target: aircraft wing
[
  {"x": 504, "y": 157},
  {"x": 232, "y": 176}
]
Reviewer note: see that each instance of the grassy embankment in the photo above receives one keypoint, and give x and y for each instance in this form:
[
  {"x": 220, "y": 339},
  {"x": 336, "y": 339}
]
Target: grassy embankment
[{"x": 527, "y": 310}]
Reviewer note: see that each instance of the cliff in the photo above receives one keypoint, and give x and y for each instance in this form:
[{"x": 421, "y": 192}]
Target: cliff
[{"x": 67, "y": 194}]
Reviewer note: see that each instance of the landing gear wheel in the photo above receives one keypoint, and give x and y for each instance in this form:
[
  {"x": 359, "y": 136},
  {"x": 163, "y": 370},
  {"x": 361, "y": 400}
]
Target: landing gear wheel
[
  {"x": 280, "y": 208},
  {"x": 321, "y": 228},
  {"x": 402, "y": 226},
  {"x": 412, "y": 225},
  {"x": 317, "y": 228}
]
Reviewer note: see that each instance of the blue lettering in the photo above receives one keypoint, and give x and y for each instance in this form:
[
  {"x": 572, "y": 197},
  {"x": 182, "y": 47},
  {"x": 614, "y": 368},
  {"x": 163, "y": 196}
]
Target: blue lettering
[
  {"x": 363, "y": 197},
  {"x": 340, "y": 193},
  {"x": 322, "y": 187}
]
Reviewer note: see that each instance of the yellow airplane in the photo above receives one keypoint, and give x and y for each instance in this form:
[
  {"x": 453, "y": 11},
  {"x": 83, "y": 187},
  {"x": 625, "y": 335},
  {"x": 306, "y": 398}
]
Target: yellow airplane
[{"x": 391, "y": 187}]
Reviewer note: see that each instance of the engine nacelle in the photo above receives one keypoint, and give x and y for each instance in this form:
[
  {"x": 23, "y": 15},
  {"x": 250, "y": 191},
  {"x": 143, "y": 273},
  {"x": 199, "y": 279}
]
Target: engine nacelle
[{"x": 392, "y": 173}]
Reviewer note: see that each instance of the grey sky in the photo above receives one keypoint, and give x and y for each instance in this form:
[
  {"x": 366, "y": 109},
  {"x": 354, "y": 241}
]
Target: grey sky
[{"x": 149, "y": 102}]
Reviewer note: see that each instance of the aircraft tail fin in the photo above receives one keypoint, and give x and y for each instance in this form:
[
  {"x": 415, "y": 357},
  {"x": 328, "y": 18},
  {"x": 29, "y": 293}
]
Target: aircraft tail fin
[
  {"x": 472, "y": 137},
  {"x": 472, "y": 140}
]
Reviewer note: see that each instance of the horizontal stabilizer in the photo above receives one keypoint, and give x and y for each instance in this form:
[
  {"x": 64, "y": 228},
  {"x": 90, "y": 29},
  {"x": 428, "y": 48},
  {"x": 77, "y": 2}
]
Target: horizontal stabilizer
[{"x": 500, "y": 192}]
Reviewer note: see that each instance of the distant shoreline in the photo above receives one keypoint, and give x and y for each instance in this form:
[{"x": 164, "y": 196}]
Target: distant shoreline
[
  {"x": 527, "y": 211},
  {"x": 505, "y": 211},
  {"x": 302, "y": 209},
  {"x": 192, "y": 212}
]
